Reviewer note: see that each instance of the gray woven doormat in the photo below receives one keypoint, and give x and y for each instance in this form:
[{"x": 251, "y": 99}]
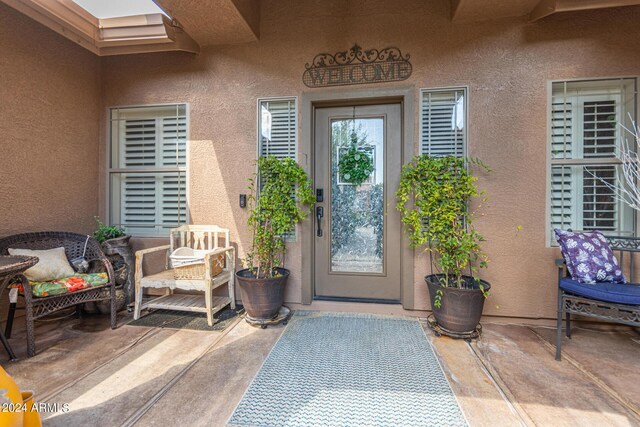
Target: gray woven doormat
[
  {"x": 186, "y": 320},
  {"x": 331, "y": 369}
]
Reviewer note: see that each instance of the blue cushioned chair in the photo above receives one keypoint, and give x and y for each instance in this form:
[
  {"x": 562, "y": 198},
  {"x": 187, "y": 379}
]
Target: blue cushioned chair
[{"x": 616, "y": 302}]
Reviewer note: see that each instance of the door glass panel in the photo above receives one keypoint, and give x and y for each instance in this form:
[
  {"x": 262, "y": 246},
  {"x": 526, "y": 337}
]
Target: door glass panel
[{"x": 357, "y": 195}]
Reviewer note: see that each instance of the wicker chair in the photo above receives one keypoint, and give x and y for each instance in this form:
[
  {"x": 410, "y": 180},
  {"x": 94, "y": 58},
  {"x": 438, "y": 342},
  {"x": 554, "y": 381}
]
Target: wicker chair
[{"x": 37, "y": 307}]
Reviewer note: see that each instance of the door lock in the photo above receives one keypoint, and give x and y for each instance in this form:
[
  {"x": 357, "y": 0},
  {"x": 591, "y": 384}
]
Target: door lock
[{"x": 319, "y": 215}]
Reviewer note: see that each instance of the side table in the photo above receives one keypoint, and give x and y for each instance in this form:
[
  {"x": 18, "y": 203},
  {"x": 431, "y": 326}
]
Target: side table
[{"x": 12, "y": 266}]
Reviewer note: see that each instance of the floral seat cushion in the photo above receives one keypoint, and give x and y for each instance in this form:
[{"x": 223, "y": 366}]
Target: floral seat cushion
[
  {"x": 589, "y": 257},
  {"x": 68, "y": 284}
]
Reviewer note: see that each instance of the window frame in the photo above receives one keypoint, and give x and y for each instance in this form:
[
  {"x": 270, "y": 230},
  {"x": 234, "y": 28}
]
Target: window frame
[
  {"x": 467, "y": 107},
  {"x": 581, "y": 161},
  {"x": 259, "y": 102},
  {"x": 109, "y": 169},
  {"x": 290, "y": 237}
]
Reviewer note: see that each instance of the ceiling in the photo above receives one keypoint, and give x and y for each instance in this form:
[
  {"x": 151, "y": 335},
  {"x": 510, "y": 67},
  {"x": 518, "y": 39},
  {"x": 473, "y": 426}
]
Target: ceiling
[
  {"x": 193, "y": 24},
  {"x": 486, "y": 10}
]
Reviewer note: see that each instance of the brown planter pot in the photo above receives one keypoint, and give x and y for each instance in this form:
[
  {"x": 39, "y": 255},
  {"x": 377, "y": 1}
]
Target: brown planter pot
[
  {"x": 461, "y": 308},
  {"x": 262, "y": 298}
]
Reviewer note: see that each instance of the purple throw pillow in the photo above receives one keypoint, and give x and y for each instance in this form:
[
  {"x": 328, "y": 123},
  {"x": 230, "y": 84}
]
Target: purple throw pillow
[{"x": 589, "y": 257}]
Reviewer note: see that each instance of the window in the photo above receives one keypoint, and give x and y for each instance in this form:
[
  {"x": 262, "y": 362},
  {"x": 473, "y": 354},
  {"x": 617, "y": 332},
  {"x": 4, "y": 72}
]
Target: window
[
  {"x": 277, "y": 132},
  {"x": 443, "y": 119},
  {"x": 585, "y": 135},
  {"x": 277, "y": 127},
  {"x": 147, "y": 188}
]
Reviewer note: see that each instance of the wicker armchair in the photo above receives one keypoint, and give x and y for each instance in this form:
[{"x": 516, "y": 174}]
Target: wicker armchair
[{"x": 73, "y": 244}]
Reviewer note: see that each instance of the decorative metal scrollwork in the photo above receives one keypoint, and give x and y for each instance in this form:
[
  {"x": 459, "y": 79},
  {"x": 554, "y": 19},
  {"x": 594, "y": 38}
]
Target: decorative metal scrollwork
[
  {"x": 621, "y": 313},
  {"x": 629, "y": 244},
  {"x": 357, "y": 66}
]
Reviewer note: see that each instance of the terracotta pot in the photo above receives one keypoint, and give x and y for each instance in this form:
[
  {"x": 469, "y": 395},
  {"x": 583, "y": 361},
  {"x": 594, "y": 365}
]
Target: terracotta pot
[
  {"x": 262, "y": 298},
  {"x": 461, "y": 308}
]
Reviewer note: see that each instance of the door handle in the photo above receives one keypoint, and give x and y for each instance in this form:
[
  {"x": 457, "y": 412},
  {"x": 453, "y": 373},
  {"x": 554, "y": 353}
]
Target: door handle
[{"x": 319, "y": 215}]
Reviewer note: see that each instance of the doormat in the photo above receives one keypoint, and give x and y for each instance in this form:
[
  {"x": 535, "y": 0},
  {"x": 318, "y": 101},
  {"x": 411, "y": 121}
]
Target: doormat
[
  {"x": 336, "y": 369},
  {"x": 186, "y": 320}
]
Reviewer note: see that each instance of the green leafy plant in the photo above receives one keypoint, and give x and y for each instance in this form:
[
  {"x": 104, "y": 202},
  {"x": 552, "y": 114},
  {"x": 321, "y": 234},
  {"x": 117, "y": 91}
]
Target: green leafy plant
[
  {"x": 433, "y": 199},
  {"x": 281, "y": 195},
  {"x": 356, "y": 162},
  {"x": 106, "y": 232}
]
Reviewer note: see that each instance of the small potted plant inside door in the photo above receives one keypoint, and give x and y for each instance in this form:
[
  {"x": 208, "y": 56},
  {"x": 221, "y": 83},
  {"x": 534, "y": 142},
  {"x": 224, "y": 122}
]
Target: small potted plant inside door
[
  {"x": 433, "y": 199},
  {"x": 281, "y": 196}
]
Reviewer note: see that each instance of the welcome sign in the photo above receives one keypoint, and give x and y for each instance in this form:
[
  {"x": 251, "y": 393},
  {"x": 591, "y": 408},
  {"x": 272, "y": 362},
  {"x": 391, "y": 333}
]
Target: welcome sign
[{"x": 357, "y": 66}]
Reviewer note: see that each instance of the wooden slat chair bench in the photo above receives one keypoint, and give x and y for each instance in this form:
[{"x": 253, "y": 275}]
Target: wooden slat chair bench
[
  {"x": 215, "y": 241},
  {"x": 74, "y": 247},
  {"x": 615, "y": 302}
]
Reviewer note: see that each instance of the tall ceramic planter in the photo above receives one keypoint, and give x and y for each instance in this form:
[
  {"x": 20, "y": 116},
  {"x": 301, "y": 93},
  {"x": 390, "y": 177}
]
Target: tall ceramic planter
[
  {"x": 120, "y": 254},
  {"x": 262, "y": 298},
  {"x": 461, "y": 308}
]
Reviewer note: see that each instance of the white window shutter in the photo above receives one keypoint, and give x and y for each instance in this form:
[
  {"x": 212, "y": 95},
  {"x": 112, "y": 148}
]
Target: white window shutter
[
  {"x": 563, "y": 198},
  {"x": 443, "y": 122},
  {"x": 174, "y": 136},
  {"x": 148, "y": 192},
  {"x": 563, "y": 186},
  {"x": 139, "y": 143},
  {"x": 278, "y": 128},
  {"x": 172, "y": 209},
  {"x": 138, "y": 194},
  {"x": 599, "y": 205},
  {"x": 138, "y": 204},
  {"x": 599, "y": 128}
]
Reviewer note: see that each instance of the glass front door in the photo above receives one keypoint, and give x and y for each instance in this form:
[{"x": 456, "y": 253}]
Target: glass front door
[{"x": 357, "y": 168}]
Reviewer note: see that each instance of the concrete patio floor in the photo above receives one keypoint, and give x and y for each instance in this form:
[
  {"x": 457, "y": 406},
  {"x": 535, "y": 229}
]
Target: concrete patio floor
[{"x": 149, "y": 376}]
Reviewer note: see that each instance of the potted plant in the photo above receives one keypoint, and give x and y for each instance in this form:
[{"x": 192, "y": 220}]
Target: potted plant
[
  {"x": 115, "y": 244},
  {"x": 433, "y": 199},
  {"x": 110, "y": 236},
  {"x": 281, "y": 195}
]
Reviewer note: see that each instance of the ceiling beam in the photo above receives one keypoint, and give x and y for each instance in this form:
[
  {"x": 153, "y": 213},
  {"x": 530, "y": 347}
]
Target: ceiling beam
[
  {"x": 216, "y": 22},
  {"x": 548, "y": 7}
]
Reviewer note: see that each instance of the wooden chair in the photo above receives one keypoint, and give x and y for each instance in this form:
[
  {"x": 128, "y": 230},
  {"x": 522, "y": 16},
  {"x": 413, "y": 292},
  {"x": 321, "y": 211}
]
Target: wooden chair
[{"x": 215, "y": 241}]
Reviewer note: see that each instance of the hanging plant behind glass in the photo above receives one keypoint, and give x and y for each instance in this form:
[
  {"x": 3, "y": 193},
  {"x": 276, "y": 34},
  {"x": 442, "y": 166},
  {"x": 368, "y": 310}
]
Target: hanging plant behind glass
[{"x": 356, "y": 162}]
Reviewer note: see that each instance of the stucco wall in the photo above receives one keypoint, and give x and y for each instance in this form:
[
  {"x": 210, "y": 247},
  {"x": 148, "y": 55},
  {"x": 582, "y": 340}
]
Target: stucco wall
[
  {"x": 49, "y": 129},
  {"x": 506, "y": 64}
]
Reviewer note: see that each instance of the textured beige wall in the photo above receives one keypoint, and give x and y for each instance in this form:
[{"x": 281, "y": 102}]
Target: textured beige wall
[
  {"x": 49, "y": 129},
  {"x": 505, "y": 63}
]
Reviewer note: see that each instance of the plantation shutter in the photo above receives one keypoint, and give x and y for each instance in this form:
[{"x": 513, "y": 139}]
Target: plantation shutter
[
  {"x": 563, "y": 191},
  {"x": 600, "y": 123},
  {"x": 172, "y": 209},
  {"x": 443, "y": 122},
  {"x": 139, "y": 192},
  {"x": 585, "y": 134},
  {"x": 277, "y": 128},
  {"x": 147, "y": 185}
]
